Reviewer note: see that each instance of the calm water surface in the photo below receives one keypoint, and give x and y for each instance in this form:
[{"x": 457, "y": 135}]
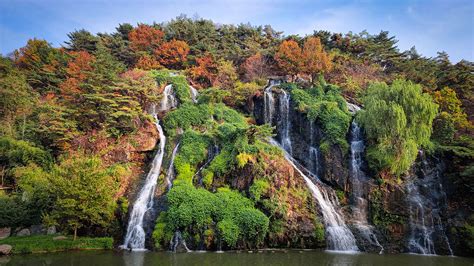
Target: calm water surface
[{"x": 104, "y": 258}]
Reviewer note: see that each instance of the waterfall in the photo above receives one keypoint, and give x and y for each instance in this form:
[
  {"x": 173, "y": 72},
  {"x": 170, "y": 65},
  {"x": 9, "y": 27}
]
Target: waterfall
[
  {"x": 339, "y": 237},
  {"x": 194, "y": 94},
  {"x": 359, "y": 186},
  {"x": 425, "y": 200},
  {"x": 284, "y": 128},
  {"x": 170, "y": 174},
  {"x": 313, "y": 151},
  {"x": 314, "y": 160},
  {"x": 269, "y": 102},
  {"x": 212, "y": 153},
  {"x": 135, "y": 237},
  {"x": 169, "y": 100}
]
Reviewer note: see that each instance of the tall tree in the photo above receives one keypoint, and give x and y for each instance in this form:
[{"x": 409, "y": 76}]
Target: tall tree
[
  {"x": 315, "y": 59},
  {"x": 289, "y": 57},
  {"x": 84, "y": 189},
  {"x": 172, "y": 54},
  {"x": 145, "y": 38},
  {"x": 82, "y": 40},
  {"x": 398, "y": 121}
]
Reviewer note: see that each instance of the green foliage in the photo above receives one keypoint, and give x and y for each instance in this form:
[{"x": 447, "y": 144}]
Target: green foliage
[
  {"x": 398, "y": 121},
  {"x": 15, "y": 153},
  {"x": 84, "y": 191},
  {"x": 213, "y": 95},
  {"x": 379, "y": 216},
  {"x": 179, "y": 83},
  {"x": 325, "y": 105},
  {"x": 186, "y": 116},
  {"x": 196, "y": 209},
  {"x": 41, "y": 244},
  {"x": 193, "y": 151},
  {"x": 259, "y": 188},
  {"x": 229, "y": 232},
  {"x": 13, "y": 213}
]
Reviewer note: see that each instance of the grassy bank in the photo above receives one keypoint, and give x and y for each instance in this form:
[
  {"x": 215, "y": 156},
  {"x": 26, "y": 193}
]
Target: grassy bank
[{"x": 39, "y": 244}]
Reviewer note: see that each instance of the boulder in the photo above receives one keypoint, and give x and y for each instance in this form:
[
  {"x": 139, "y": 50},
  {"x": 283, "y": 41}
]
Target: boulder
[
  {"x": 5, "y": 249},
  {"x": 51, "y": 230},
  {"x": 37, "y": 229},
  {"x": 59, "y": 238},
  {"x": 5, "y": 232},
  {"x": 23, "y": 232}
]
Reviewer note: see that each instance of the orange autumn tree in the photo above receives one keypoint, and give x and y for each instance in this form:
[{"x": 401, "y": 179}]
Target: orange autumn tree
[
  {"x": 145, "y": 38},
  {"x": 147, "y": 62},
  {"x": 255, "y": 67},
  {"x": 172, "y": 54},
  {"x": 42, "y": 64},
  {"x": 289, "y": 57},
  {"x": 315, "y": 60},
  {"x": 205, "y": 71},
  {"x": 78, "y": 69}
]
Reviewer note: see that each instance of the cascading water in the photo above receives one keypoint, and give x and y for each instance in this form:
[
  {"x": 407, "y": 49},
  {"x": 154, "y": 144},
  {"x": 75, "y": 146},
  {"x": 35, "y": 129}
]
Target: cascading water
[
  {"x": 426, "y": 199},
  {"x": 135, "y": 237},
  {"x": 170, "y": 174},
  {"x": 338, "y": 236},
  {"x": 269, "y": 102},
  {"x": 359, "y": 186},
  {"x": 313, "y": 163},
  {"x": 169, "y": 100},
  {"x": 194, "y": 94},
  {"x": 284, "y": 123}
]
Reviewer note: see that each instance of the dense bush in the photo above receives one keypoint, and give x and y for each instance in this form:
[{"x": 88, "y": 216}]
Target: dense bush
[
  {"x": 398, "y": 121},
  {"x": 325, "y": 105},
  {"x": 196, "y": 210}
]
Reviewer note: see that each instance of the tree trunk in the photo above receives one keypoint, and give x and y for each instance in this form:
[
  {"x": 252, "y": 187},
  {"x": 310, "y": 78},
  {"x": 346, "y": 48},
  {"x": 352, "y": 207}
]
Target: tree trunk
[{"x": 75, "y": 233}]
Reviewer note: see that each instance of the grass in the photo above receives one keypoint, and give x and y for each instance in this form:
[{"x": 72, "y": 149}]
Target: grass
[{"x": 40, "y": 244}]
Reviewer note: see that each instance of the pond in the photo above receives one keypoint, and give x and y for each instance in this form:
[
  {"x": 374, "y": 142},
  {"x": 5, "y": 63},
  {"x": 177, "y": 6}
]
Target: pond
[{"x": 278, "y": 257}]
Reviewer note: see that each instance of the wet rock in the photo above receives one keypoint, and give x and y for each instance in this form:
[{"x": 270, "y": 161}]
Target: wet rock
[
  {"x": 5, "y": 249},
  {"x": 5, "y": 232},
  {"x": 178, "y": 244}
]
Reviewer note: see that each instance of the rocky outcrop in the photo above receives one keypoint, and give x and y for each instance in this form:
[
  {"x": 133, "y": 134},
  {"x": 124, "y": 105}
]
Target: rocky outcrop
[
  {"x": 23, "y": 232},
  {"x": 5, "y": 232},
  {"x": 5, "y": 249},
  {"x": 304, "y": 134},
  {"x": 131, "y": 149}
]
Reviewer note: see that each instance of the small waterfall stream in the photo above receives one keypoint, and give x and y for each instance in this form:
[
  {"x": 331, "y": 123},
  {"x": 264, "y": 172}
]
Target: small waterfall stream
[
  {"x": 135, "y": 237},
  {"x": 359, "y": 187},
  {"x": 284, "y": 122},
  {"x": 338, "y": 235},
  {"x": 169, "y": 100},
  {"x": 170, "y": 174},
  {"x": 194, "y": 94},
  {"x": 426, "y": 198}
]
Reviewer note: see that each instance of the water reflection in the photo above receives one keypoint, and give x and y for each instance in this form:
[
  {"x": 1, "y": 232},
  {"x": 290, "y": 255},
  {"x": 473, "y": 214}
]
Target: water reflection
[{"x": 276, "y": 257}]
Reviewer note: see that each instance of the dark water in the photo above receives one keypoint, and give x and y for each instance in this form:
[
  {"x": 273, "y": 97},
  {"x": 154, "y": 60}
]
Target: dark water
[{"x": 92, "y": 258}]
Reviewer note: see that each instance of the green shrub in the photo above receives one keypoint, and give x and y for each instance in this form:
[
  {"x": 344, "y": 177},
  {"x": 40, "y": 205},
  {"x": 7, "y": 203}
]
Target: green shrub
[
  {"x": 229, "y": 232},
  {"x": 326, "y": 106},
  {"x": 259, "y": 188},
  {"x": 398, "y": 121}
]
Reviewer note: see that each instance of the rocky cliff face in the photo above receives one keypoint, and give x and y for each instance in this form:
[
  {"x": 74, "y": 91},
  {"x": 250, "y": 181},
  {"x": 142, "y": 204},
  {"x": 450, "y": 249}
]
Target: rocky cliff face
[
  {"x": 421, "y": 212},
  {"x": 132, "y": 149},
  {"x": 304, "y": 134}
]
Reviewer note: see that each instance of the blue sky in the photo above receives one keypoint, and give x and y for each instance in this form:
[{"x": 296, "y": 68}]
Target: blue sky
[{"x": 429, "y": 25}]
